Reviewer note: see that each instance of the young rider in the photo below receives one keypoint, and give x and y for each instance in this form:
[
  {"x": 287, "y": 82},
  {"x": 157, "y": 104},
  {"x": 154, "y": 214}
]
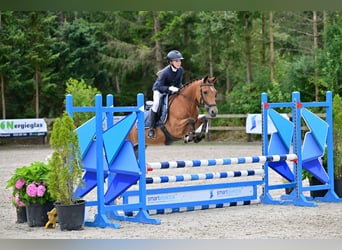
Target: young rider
[{"x": 169, "y": 81}]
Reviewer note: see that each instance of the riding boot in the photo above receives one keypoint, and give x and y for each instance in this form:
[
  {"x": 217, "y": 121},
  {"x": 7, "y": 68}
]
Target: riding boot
[{"x": 152, "y": 130}]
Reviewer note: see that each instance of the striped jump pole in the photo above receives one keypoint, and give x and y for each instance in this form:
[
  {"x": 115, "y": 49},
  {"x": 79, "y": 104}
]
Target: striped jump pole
[
  {"x": 222, "y": 161},
  {"x": 202, "y": 207},
  {"x": 204, "y": 176},
  {"x": 203, "y": 196}
]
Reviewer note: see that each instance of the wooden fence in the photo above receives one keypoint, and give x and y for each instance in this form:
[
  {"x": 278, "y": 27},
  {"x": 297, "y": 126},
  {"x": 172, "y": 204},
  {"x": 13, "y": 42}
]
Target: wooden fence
[
  {"x": 211, "y": 127},
  {"x": 240, "y": 128},
  {"x": 227, "y": 128}
]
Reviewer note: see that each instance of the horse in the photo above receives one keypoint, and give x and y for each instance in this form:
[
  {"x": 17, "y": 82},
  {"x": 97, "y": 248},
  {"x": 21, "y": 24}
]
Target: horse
[{"x": 182, "y": 118}]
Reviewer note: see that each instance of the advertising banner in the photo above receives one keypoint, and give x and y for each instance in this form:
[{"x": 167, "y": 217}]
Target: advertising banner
[{"x": 22, "y": 127}]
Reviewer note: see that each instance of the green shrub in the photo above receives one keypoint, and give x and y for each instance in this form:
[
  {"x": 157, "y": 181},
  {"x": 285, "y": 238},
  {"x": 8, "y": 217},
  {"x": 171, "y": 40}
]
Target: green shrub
[{"x": 66, "y": 160}]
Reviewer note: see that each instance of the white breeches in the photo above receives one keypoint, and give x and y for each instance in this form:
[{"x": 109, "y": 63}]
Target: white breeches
[{"x": 156, "y": 98}]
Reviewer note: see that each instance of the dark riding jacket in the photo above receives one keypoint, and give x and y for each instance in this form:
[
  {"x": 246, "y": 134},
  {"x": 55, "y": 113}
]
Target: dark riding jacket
[{"x": 167, "y": 78}]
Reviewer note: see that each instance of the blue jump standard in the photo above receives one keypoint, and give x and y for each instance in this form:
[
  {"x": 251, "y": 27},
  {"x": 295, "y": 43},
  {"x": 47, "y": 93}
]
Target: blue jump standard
[{"x": 108, "y": 155}]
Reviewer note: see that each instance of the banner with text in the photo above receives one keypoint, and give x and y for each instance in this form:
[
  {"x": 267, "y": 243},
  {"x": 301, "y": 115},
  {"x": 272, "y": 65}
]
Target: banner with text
[{"x": 22, "y": 127}]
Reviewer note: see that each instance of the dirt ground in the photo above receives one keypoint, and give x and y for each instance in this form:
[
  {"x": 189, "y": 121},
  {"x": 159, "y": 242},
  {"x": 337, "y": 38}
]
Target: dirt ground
[{"x": 255, "y": 221}]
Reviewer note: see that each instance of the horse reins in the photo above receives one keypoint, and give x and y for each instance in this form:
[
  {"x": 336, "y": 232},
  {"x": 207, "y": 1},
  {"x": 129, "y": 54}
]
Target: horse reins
[{"x": 202, "y": 102}]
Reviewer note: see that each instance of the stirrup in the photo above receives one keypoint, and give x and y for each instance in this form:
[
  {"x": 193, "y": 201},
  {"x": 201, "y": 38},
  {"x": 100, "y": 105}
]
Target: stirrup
[{"x": 151, "y": 133}]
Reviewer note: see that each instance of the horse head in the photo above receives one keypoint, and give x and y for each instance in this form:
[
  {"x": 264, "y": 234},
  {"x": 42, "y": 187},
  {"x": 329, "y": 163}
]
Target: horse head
[{"x": 208, "y": 95}]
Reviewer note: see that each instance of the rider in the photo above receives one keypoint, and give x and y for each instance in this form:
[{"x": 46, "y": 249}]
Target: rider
[{"x": 169, "y": 81}]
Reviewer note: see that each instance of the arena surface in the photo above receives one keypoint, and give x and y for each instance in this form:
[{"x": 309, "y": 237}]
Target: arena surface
[{"x": 255, "y": 221}]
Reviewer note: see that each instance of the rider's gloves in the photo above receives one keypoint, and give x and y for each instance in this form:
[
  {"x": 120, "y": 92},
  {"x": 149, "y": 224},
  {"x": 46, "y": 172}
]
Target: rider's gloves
[{"x": 173, "y": 89}]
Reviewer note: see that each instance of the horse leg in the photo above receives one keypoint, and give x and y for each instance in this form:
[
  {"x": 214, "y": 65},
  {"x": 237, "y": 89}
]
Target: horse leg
[
  {"x": 191, "y": 135},
  {"x": 204, "y": 122}
]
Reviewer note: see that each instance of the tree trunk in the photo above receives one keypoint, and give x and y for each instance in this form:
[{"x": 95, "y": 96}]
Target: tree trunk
[
  {"x": 315, "y": 41},
  {"x": 158, "y": 50},
  {"x": 211, "y": 71},
  {"x": 186, "y": 77},
  {"x": 3, "y": 103},
  {"x": 271, "y": 48},
  {"x": 117, "y": 83},
  {"x": 263, "y": 42},
  {"x": 248, "y": 51},
  {"x": 228, "y": 82},
  {"x": 36, "y": 79},
  {"x": 325, "y": 21}
]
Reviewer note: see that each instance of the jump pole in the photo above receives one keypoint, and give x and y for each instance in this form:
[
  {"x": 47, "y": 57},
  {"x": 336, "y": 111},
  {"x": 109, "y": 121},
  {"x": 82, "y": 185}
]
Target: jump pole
[{"x": 198, "y": 197}]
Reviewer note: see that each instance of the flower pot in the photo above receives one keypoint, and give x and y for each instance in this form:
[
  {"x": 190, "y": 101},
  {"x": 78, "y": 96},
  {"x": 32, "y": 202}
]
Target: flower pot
[
  {"x": 21, "y": 214},
  {"x": 288, "y": 190},
  {"x": 37, "y": 214},
  {"x": 338, "y": 186},
  {"x": 71, "y": 217},
  {"x": 317, "y": 193}
]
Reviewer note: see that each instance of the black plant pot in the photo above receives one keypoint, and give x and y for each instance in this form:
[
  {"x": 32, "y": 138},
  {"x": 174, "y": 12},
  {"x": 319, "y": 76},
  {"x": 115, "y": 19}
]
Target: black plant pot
[
  {"x": 71, "y": 217},
  {"x": 21, "y": 214},
  {"x": 317, "y": 193},
  {"x": 37, "y": 214},
  {"x": 338, "y": 187},
  {"x": 288, "y": 190}
]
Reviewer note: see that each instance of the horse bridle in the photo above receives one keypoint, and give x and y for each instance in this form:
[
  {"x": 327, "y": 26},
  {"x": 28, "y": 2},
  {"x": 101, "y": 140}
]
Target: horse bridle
[{"x": 203, "y": 101}]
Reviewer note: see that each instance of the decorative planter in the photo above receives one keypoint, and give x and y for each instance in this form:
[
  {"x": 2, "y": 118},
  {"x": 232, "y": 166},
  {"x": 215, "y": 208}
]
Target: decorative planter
[
  {"x": 288, "y": 190},
  {"x": 21, "y": 215},
  {"x": 338, "y": 187},
  {"x": 71, "y": 217},
  {"x": 37, "y": 214},
  {"x": 316, "y": 193}
]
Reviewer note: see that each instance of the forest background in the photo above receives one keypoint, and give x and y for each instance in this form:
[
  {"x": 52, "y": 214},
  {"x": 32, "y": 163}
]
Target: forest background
[{"x": 42, "y": 53}]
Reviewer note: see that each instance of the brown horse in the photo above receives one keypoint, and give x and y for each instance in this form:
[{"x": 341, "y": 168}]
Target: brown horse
[{"x": 182, "y": 119}]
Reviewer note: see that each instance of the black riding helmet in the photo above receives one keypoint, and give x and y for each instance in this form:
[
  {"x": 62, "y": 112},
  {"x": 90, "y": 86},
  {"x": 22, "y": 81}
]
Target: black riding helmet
[{"x": 174, "y": 55}]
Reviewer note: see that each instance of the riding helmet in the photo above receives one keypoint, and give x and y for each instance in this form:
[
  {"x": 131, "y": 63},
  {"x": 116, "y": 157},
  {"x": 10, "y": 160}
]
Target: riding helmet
[{"x": 174, "y": 55}]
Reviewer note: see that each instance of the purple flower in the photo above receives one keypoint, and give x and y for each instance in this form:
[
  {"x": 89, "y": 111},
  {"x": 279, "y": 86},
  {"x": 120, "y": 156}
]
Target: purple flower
[
  {"x": 17, "y": 200},
  {"x": 19, "y": 184},
  {"x": 31, "y": 190},
  {"x": 41, "y": 190}
]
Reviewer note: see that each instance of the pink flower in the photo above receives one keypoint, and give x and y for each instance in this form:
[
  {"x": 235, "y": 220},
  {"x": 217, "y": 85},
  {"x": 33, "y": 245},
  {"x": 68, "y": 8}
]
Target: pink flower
[
  {"x": 31, "y": 190},
  {"x": 41, "y": 190},
  {"x": 17, "y": 200},
  {"x": 19, "y": 184}
]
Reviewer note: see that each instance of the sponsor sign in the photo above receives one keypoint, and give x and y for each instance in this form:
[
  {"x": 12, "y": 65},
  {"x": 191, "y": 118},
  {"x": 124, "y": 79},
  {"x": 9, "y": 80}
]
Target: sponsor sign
[
  {"x": 22, "y": 127},
  {"x": 195, "y": 195}
]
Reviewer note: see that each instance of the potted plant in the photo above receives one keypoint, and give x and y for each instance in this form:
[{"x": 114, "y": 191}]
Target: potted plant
[
  {"x": 288, "y": 190},
  {"x": 66, "y": 173},
  {"x": 312, "y": 182},
  {"x": 30, "y": 191},
  {"x": 337, "y": 127},
  {"x": 17, "y": 184}
]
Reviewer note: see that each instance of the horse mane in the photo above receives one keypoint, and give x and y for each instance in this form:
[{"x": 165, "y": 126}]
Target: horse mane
[
  {"x": 190, "y": 82},
  {"x": 187, "y": 84}
]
